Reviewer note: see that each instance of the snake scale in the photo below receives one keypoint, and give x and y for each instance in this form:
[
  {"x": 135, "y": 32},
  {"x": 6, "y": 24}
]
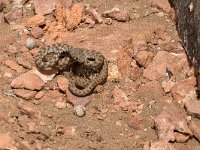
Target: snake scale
[{"x": 64, "y": 55}]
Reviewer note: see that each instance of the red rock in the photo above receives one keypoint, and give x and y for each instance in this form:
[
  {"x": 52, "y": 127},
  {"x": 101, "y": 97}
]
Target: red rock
[
  {"x": 162, "y": 60},
  {"x": 181, "y": 138},
  {"x": 73, "y": 17},
  {"x": 136, "y": 123},
  {"x": 28, "y": 81},
  {"x": 13, "y": 65},
  {"x": 37, "y": 32},
  {"x": 39, "y": 95},
  {"x": 172, "y": 118},
  {"x": 30, "y": 110},
  {"x": 127, "y": 67},
  {"x": 60, "y": 105},
  {"x": 62, "y": 83},
  {"x": 165, "y": 129},
  {"x": 194, "y": 126},
  {"x": 162, "y": 4},
  {"x": 167, "y": 85},
  {"x": 193, "y": 107},
  {"x": 53, "y": 96},
  {"x": 2, "y": 6},
  {"x": 24, "y": 63},
  {"x": 26, "y": 94},
  {"x": 120, "y": 98},
  {"x": 15, "y": 15},
  {"x": 117, "y": 14},
  {"x": 162, "y": 145},
  {"x": 19, "y": 2},
  {"x": 36, "y": 20},
  {"x": 12, "y": 50},
  {"x": 144, "y": 58},
  {"x": 95, "y": 15},
  {"x": 31, "y": 126},
  {"x": 45, "y": 75},
  {"x": 184, "y": 90},
  {"x": 157, "y": 68},
  {"x": 6, "y": 142},
  {"x": 90, "y": 21},
  {"x": 44, "y": 7}
]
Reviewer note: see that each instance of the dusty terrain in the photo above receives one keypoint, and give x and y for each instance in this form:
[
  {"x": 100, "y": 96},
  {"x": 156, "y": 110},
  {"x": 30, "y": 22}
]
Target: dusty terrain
[{"x": 148, "y": 101}]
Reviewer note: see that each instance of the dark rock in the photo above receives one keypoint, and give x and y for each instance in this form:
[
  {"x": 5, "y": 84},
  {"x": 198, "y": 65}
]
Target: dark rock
[{"x": 189, "y": 31}]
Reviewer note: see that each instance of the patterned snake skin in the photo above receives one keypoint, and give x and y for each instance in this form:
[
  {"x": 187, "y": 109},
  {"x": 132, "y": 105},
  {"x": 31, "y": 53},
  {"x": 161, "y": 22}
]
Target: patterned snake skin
[{"x": 63, "y": 55}]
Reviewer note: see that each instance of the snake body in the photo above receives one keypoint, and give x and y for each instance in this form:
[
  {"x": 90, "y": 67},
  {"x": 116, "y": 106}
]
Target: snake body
[{"x": 63, "y": 55}]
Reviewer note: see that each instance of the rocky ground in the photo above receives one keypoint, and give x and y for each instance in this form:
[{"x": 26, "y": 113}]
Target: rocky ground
[{"x": 148, "y": 102}]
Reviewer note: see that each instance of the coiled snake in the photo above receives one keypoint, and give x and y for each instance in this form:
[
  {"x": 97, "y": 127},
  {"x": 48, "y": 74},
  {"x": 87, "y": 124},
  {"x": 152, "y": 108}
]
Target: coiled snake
[{"x": 63, "y": 56}]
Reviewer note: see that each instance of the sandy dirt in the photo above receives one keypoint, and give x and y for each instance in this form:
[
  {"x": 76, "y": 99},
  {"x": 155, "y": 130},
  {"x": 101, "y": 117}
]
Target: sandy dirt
[{"x": 120, "y": 114}]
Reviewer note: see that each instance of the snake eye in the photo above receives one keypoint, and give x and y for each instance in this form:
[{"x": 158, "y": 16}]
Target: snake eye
[{"x": 90, "y": 58}]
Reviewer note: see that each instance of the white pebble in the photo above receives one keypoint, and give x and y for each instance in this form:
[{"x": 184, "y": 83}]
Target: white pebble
[
  {"x": 79, "y": 110},
  {"x": 30, "y": 43}
]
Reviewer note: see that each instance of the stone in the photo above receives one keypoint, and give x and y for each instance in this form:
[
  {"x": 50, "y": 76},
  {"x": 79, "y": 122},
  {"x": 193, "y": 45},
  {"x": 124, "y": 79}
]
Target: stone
[
  {"x": 15, "y": 15},
  {"x": 167, "y": 85},
  {"x": 39, "y": 95},
  {"x": 53, "y": 95},
  {"x": 6, "y": 141},
  {"x": 36, "y": 20},
  {"x": 117, "y": 14},
  {"x": 144, "y": 57},
  {"x": 155, "y": 71},
  {"x": 24, "y": 63},
  {"x": 44, "y": 7},
  {"x": 95, "y": 15},
  {"x": 172, "y": 118},
  {"x": 189, "y": 30},
  {"x": 19, "y": 2},
  {"x": 2, "y": 6},
  {"x": 26, "y": 94},
  {"x": 161, "y": 145},
  {"x": 45, "y": 75},
  {"x": 79, "y": 110},
  {"x": 164, "y": 128},
  {"x": 30, "y": 110},
  {"x": 31, "y": 126},
  {"x": 14, "y": 66},
  {"x": 194, "y": 126},
  {"x": 181, "y": 138},
  {"x": 30, "y": 42},
  {"x": 184, "y": 90},
  {"x": 136, "y": 123},
  {"x": 28, "y": 81},
  {"x": 62, "y": 83},
  {"x": 37, "y": 32},
  {"x": 60, "y": 105},
  {"x": 193, "y": 107},
  {"x": 162, "y": 4},
  {"x": 74, "y": 16}
]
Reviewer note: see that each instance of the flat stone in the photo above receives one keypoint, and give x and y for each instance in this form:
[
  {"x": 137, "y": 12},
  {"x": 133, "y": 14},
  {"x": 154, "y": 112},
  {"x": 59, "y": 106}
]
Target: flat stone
[
  {"x": 194, "y": 126},
  {"x": 28, "y": 81},
  {"x": 193, "y": 107},
  {"x": 184, "y": 90},
  {"x": 26, "y": 94}
]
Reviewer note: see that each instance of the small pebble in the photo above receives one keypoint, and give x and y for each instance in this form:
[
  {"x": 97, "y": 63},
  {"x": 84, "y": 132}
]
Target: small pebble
[
  {"x": 79, "y": 110},
  {"x": 30, "y": 43}
]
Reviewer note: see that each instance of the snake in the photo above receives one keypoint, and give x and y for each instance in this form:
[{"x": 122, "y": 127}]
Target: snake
[{"x": 64, "y": 55}]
